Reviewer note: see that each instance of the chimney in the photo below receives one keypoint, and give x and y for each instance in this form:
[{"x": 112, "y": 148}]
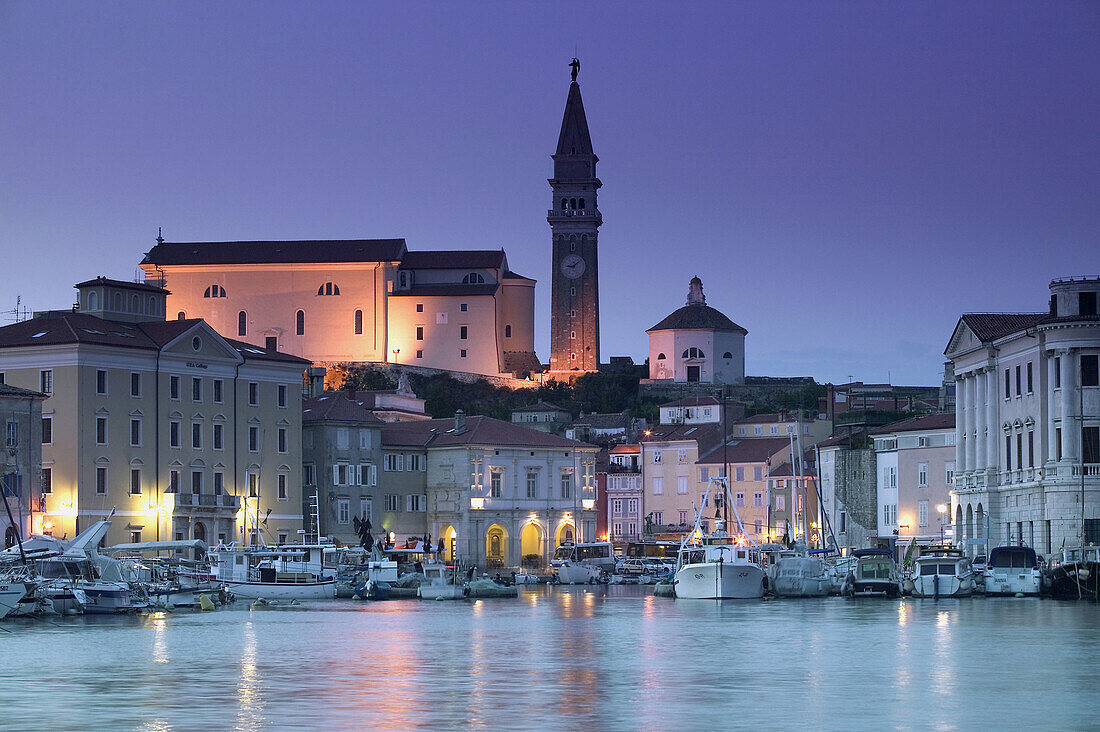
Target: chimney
[
  {"x": 316, "y": 380},
  {"x": 460, "y": 422}
]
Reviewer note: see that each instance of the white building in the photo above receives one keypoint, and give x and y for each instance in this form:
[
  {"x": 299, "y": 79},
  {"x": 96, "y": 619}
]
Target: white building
[
  {"x": 1028, "y": 422},
  {"x": 697, "y": 344}
]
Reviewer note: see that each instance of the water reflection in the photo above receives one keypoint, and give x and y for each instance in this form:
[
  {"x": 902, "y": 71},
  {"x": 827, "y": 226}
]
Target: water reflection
[{"x": 249, "y": 697}]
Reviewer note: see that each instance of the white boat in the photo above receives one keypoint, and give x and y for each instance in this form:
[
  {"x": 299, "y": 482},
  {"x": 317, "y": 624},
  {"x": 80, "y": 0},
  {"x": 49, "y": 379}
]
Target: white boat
[
  {"x": 80, "y": 578},
  {"x": 874, "y": 574},
  {"x": 942, "y": 573},
  {"x": 293, "y": 572},
  {"x": 797, "y": 574},
  {"x": 718, "y": 569},
  {"x": 1012, "y": 570},
  {"x": 11, "y": 594},
  {"x": 441, "y": 582},
  {"x": 583, "y": 563}
]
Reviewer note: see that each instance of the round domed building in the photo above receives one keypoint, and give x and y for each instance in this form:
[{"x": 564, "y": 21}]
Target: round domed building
[{"x": 697, "y": 344}]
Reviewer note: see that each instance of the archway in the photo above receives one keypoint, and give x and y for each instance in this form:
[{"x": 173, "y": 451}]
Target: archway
[
  {"x": 959, "y": 537},
  {"x": 496, "y": 546},
  {"x": 530, "y": 544},
  {"x": 969, "y": 522},
  {"x": 565, "y": 533},
  {"x": 199, "y": 532},
  {"x": 979, "y": 523},
  {"x": 450, "y": 539}
]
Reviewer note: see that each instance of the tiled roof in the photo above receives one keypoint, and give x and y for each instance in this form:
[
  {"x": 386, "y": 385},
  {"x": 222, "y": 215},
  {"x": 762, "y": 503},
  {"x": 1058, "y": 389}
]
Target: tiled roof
[
  {"x": 706, "y": 436},
  {"x": 517, "y": 362},
  {"x": 7, "y": 390},
  {"x": 515, "y": 276},
  {"x": 767, "y": 418},
  {"x": 101, "y": 280},
  {"x": 468, "y": 259},
  {"x": 445, "y": 290},
  {"x": 697, "y": 401},
  {"x": 745, "y": 451},
  {"x": 841, "y": 438},
  {"x": 631, "y": 449},
  {"x": 338, "y": 406},
  {"x": 941, "y": 421},
  {"x": 699, "y": 317},
  {"x": 541, "y": 407},
  {"x": 479, "y": 431},
  {"x": 276, "y": 252},
  {"x": 603, "y": 421},
  {"x": 991, "y": 326}
]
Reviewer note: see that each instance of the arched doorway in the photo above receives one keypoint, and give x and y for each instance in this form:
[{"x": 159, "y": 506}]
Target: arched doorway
[
  {"x": 959, "y": 537},
  {"x": 450, "y": 539},
  {"x": 565, "y": 533},
  {"x": 530, "y": 544},
  {"x": 496, "y": 546},
  {"x": 199, "y": 532},
  {"x": 969, "y": 522},
  {"x": 979, "y": 523}
]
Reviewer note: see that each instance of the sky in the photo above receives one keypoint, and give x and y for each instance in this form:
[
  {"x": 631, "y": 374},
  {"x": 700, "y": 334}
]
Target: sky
[{"x": 846, "y": 178}]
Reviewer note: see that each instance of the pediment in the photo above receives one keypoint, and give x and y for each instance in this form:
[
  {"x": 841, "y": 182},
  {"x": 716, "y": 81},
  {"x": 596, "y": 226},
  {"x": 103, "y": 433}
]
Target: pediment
[{"x": 963, "y": 339}]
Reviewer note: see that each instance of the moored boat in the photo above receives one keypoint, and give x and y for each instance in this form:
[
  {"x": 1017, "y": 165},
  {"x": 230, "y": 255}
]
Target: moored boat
[
  {"x": 873, "y": 575},
  {"x": 942, "y": 572},
  {"x": 1013, "y": 570},
  {"x": 1073, "y": 574}
]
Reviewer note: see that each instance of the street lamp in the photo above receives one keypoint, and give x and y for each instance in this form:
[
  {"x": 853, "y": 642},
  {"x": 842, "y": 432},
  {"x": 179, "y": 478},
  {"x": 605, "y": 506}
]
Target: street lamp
[
  {"x": 395, "y": 352},
  {"x": 942, "y": 510}
]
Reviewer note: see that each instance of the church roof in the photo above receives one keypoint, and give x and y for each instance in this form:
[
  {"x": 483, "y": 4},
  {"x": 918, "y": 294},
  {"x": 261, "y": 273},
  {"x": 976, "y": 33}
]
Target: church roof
[
  {"x": 697, "y": 317},
  {"x": 991, "y": 326},
  {"x": 276, "y": 252},
  {"x": 469, "y": 259},
  {"x": 574, "y": 138}
]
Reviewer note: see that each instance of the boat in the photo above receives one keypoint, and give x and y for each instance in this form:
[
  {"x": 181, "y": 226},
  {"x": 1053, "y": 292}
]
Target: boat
[
  {"x": 717, "y": 568},
  {"x": 291, "y": 572},
  {"x": 486, "y": 587},
  {"x": 874, "y": 575},
  {"x": 1073, "y": 574},
  {"x": 583, "y": 563},
  {"x": 11, "y": 595},
  {"x": 797, "y": 574},
  {"x": 1013, "y": 570},
  {"x": 942, "y": 572},
  {"x": 441, "y": 582},
  {"x": 81, "y": 576}
]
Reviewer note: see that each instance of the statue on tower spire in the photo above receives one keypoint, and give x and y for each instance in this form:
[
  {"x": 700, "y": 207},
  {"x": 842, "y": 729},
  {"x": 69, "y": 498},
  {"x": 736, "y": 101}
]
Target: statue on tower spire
[{"x": 575, "y": 65}]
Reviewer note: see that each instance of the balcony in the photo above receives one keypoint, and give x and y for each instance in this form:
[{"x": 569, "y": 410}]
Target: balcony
[
  {"x": 201, "y": 500},
  {"x": 556, "y": 213}
]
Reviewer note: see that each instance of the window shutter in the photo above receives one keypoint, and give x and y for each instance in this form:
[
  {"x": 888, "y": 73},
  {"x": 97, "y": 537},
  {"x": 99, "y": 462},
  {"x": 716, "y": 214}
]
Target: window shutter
[
  {"x": 336, "y": 475},
  {"x": 408, "y": 503},
  {"x": 374, "y": 475},
  {"x": 424, "y": 502}
]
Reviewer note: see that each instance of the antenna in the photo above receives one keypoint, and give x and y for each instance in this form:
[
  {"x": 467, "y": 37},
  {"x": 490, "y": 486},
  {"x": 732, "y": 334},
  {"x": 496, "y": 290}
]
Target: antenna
[{"x": 19, "y": 313}]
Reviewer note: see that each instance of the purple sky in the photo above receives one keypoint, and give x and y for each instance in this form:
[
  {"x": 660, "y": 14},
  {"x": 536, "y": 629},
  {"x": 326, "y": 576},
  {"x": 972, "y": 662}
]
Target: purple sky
[{"x": 846, "y": 178}]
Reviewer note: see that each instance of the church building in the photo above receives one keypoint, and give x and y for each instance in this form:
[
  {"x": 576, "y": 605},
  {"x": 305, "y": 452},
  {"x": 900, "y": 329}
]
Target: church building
[{"x": 697, "y": 343}]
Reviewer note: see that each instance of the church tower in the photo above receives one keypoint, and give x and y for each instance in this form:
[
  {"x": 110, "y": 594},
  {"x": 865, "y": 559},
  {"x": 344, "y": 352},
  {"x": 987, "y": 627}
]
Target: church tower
[{"x": 574, "y": 221}]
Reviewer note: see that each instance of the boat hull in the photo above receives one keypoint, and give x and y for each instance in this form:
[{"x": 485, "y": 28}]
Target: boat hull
[
  {"x": 719, "y": 581},
  {"x": 440, "y": 592},
  {"x": 800, "y": 577},
  {"x": 109, "y": 598},
  {"x": 10, "y": 595},
  {"x": 1012, "y": 582},
  {"x": 873, "y": 588},
  {"x": 942, "y": 585},
  {"x": 325, "y": 590},
  {"x": 1075, "y": 581},
  {"x": 577, "y": 574}
]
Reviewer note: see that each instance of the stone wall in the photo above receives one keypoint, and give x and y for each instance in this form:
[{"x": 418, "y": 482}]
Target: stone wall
[{"x": 336, "y": 372}]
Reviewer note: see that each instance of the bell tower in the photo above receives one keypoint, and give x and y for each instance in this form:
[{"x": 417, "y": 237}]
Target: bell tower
[{"x": 574, "y": 222}]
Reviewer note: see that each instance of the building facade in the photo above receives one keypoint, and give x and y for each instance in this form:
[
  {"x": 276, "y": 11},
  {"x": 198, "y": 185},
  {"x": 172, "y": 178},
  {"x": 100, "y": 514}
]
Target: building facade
[
  {"x": 22, "y": 478},
  {"x": 697, "y": 344},
  {"x": 623, "y": 495},
  {"x": 543, "y": 416},
  {"x": 847, "y": 468},
  {"x": 174, "y": 430},
  {"x": 1028, "y": 423}
]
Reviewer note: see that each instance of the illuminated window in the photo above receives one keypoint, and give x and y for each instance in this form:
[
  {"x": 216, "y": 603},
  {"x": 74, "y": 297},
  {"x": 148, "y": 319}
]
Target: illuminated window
[
  {"x": 358, "y": 322},
  {"x": 328, "y": 289}
]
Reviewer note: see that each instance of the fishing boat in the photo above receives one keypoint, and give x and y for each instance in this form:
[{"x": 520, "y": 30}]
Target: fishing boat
[
  {"x": 442, "y": 581},
  {"x": 942, "y": 572},
  {"x": 293, "y": 572},
  {"x": 583, "y": 563},
  {"x": 1073, "y": 574},
  {"x": 874, "y": 575},
  {"x": 797, "y": 574},
  {"x": 1013, "y": 570}
]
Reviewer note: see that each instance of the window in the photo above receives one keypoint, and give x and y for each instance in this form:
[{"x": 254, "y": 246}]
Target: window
[
  {"x": 704, "y": 475},
  {"x": 1057, "y": 372},
  {"x": 1086, "y": 303},
  {"x": 617, "y": 507},
  {"x": 219, "y": 436},
  {"x": 47, "y": 430},
  {"x": 1029, "y": 378},
  {"x": 656, "y": 456},
  {"x": 368, "y": 475},
  {"x": 271, "y": 343},
  {"x": 308, "y": 475},
  {"x": 173, "y": 387},
  {"x": 101, "y": 382},
  {"x": 1090, "y": 376},
  {"x": 508, "y": 331},
  {"x": 242, "y": 323},
  {"x": 1008, "y": 452},
  {"x": 196, "y": 482},
  {"x": 219, "y": 388},
  {"x": 474, "y": 278},
  {"x": 253, "y": 438},
  {"x": 740, "y": 500},
  {"x": 1017, "y": 379},
  {"x": 340, "y": 475},
  {"x": 739, "y": 473},
  {"x": 757, "y": 500},
  {"x": 758, "y": 430},
  {"x": 922, "y": 513},
  {"x": 45, "y": 381},
  {"x": 219, "y": 483},
  {"x": 420, "y": 354},
  {"x": 922, "y": 475},
  {"x": 415, "y": 502},
  {"x": 419, "y": 332},
  {"x": 281, "y": 487},
  {"x": 135, "y": 481},
  {"x": 135, "y": 433},
  {"x": 843, "y": 524},
  {"x": 173, "y": 481},
  {"x": 181, "y": 315},
  {"x": 101, "y": 481},
  {"x": 681, "y": 484},
  {"x": 462, "y": 332},
  {"x": 758, "y": 473},
  {"x": 196, "y": 435},
  {"x": 1008, "y": 381},
  {"x": 393, "y": 461},
  {"x": 328, "y": 289},
  {"x": 1058, "y": 441},
  {"x": 415, "y": 462},
  {"x": 681, "y": 456},
  {"x": 775, "y": 429},
  {"x": 343, "y": 509},
  {"x": 1090, "y": 445},
  {"x": 727, "y": 354},
  {"x": 692, "y": 352},
  {"x": 135, "y": 537},
  {"x": 364, "y": 509},
  {"x": 683, "y": 518},
  {"x": 567, "y": 483},
  {"x": 391, "y": 502},
  {"x": 780, "y": 503},
  {"x": 300, "y": 322},
  {"x": 420, "y": 307},
  {"x": 463, "y": 308},
  {"x": 949, "y": 474},
  {"x": 462, "y": 353},
  {"x": 1019, "y": 450},
  {"x": 886, "y": 514},
  {"x": 196, "y": 389},
  {"x": 632, "y": 506},
  {"x": 101, "y": 430},
  {"x": 358, "y": 322},
  {"x": 253, "y": 481},
  {"x": 47, "y": 481},
  {"x": 572, "y": 334},
  {"x": 253, "y": 394},
  {"x": 282, "y": 439},
  {"x": 214, "y": 291},
  {"x": 658, "y": 486}
]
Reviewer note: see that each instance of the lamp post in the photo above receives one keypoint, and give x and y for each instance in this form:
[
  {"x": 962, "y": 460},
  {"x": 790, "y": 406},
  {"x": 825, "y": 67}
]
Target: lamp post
[
  {"x": 942, "y": 510},
  {"x": 396, "y": 351}
]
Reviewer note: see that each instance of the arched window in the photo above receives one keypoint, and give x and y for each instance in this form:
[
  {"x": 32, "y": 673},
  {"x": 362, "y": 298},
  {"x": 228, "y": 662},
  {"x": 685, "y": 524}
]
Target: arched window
[
  {"x": 572, "y": 334},
  {"x": 118, "y": 303},
  {"x": 358, "y": 322},
  {"x": 564, "y": 203},
  {"x": 727, "y": 354},
  {"x": 214, "y": 291},
  {"x": 474, "y": 278},
  {"x": 507, "y": 331},
  {"x": 242, "y": 324},
  {"x": 300, "y": 322},
  {"x": 135, "y": 304},
  {"x": 151, "y": 305},
  {"x": 660, "y": 357},
  {"x": 573, "y": 203},
  {"x": 93, "y": 301},
  {"x": 693, "y": 352},
  {"x": 181, "y": 315},
  {"x": 581, "y": 204},
  {"x": 328, "y": 289}
]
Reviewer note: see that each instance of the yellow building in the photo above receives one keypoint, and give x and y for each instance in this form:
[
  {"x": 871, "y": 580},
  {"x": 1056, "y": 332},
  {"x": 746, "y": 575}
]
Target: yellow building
[
  {"x": 177, "y": 431},
  {"x": 368, "y": 300}
]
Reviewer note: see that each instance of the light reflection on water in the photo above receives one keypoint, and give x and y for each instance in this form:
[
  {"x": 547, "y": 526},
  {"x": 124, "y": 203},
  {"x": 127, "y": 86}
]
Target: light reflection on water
[{"x": 568, "y": 656}]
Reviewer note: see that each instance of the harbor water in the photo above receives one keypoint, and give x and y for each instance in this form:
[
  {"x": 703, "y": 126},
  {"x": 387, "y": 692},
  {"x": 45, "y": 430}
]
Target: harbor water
[{"x": 570, "y": 657}]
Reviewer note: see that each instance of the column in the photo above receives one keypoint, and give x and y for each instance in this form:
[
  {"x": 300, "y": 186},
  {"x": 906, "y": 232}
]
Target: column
[
  {"x": 962, "y": 436},
  {"x": 1069, "y": 394},
  {"x": 1052, "y": 435},
  {"x": 971, "y": 422},
  {"x": 991, "y": 420},
  {"x": 980, "y": 416}
]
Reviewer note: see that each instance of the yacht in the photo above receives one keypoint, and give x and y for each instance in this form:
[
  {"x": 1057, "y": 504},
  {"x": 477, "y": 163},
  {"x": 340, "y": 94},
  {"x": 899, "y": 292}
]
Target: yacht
[
  {"x": 942, "y": 572},
  {"x": 1073, "y": 574},
  {"x": 873, "y": 575},
  {"x": 583, "y": 563},
  {"x": 11, "y": 595},
  {"x": 1012, "y": 570}
]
